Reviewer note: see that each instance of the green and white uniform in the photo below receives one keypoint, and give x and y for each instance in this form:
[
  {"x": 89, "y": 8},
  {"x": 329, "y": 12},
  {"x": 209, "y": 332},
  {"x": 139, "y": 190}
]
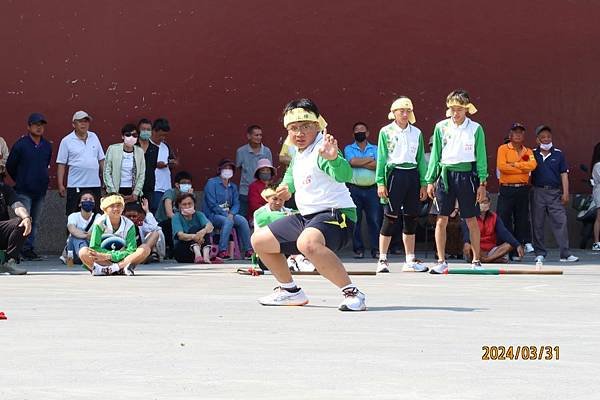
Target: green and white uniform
[{"x": 103, "y": 233}]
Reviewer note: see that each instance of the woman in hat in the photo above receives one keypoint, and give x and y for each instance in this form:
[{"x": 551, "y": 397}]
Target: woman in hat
[
  {"x": 113, "y": 247},
  {"x": 264, "y": 175}
]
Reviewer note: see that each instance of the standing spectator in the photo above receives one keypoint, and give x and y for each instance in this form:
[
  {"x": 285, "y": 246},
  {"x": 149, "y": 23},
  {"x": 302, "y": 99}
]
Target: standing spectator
[
  {"x": 246, "y": 158},
  {"x": 159, "y": 160},
  {"x": 550, "y": 181},
  {"x": 362, "y": 157},
  {"x": 265, "y": 174},
  {"x": 13, "y": 232},
  {"x": 82, "y": 153},
  {"x": 79, "y": 225},
  {"x": 595, "y": 166},
  {"x": 28, "y": 165},
  {"x": 515, "y": 163},
  {"x": 459, "y": 165},
  {"x": 222, "y": 207},
  {"x": 144, "y": 127},
  {"x": 125, "y": 166}
]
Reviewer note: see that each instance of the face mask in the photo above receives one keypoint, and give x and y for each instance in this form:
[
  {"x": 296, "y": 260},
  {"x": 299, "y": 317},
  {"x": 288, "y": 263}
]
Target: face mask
[
  {"x": 264, "y": 176},
  {"x": 226, "y": 173},
  {"x": 187, "y": 211},
  {"x": 484, "y": 207},
  {"x": 129, "y": 141},
  {"x": 87, "y": 205},
  {"x": 360, "y": 136},
  {"x": 546, "y": 147},
  {"x": 185, "y": 187},
  {"x": 145, "y": 135}
]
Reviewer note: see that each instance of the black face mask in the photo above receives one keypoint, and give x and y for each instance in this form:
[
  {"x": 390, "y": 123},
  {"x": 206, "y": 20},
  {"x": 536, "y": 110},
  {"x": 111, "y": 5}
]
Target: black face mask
[{"x": 360, "y": 136}]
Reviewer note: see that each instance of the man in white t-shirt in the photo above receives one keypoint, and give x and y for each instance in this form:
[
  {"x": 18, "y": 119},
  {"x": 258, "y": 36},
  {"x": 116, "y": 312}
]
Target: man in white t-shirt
[
  {"x": 82, "y": 153},
  {"x": 159, "y": 161}
]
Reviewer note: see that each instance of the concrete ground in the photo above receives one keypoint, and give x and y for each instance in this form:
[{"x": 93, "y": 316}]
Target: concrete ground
[{"x": 188, "y": 332}]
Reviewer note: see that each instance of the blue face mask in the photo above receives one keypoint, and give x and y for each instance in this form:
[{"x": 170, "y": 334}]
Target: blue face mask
[
  {"x": 185, "y": 187},
  {"x": 145, "y": 135},
  {"x": 87, "y": 205}
]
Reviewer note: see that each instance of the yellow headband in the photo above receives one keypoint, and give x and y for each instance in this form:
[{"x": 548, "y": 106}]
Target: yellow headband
[
  {"x": 268, "y": 192},
  {"x": 453, "y": 103},
  {"x": 110, "y": 200},
  {"x": 300, "y": 114},
  {"x": 403, "y": 102}
]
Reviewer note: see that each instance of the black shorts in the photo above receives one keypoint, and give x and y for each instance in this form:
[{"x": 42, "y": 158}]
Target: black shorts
[
  {"x": 403, "y": 193},
  {"x": 462, "y": 186},
  {"x": 335, "y": 227}
]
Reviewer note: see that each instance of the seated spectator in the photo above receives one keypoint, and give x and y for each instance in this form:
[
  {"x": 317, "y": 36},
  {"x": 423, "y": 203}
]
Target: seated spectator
[
  {"x": 496, "y": 240},
  {"x": 148, "y": 233},
  {"x": 125, "y": 166},
  {"x": 13, "y": 232},
  {"x": 4, "y": 153},
  {"x": 168, "y": 206},
  {"x": 191, "y": 232},
  {"x": 272, "y": 211},
  {"x": 113, "y": 248},
  {"x": 79, "y": 225},
  {"x": 264, "y": 176},
  {"x": 222, "y": 205}
]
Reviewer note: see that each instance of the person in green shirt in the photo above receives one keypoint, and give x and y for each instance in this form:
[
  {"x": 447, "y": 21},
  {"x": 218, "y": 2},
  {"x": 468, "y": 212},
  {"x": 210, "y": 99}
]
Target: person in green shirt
[{"x": 457, "y": 171}]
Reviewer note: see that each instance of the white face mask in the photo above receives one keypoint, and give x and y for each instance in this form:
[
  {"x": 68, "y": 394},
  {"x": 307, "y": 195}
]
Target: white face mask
[
  {"x": 226, "y": 173},
  {"x": 546, "y": 147},
  {"x": 129, "y": 140},
  {"x": 185, "y": 187},
  {"x": 484, "y": 207}
]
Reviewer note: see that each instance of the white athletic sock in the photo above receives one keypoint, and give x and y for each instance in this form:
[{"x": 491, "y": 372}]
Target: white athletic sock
[
  {"x": 382, "y": 256},
  {"x": 410, "y": 258},
  {"x": 290, "y": 285}
]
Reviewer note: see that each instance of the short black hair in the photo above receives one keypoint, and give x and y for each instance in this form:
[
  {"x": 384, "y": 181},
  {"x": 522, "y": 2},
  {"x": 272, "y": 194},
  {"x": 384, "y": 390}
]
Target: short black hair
[
  {"x": 143, "y": 121},
  {"x": 128, "y": 128},
  {"x": 359, "y": 123},
  {"x": 182, "y": 196},
  {"x": 161, "y": 124},
  {"x": 182, "y": 175},
  {"x": 306, "y": 104},
  {"x": 252, "y": 127},
  {"x": 134, "y": 206},
  {"x": 84, "y": 192}
]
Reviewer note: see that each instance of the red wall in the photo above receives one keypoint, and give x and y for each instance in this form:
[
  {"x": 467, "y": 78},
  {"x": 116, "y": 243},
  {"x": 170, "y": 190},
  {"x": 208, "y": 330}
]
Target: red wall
[{"x": 214, "y": 67}]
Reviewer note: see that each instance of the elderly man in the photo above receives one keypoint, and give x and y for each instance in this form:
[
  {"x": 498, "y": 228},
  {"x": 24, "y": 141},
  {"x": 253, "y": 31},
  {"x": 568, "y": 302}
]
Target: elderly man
[{"x": 81, "y": 152}]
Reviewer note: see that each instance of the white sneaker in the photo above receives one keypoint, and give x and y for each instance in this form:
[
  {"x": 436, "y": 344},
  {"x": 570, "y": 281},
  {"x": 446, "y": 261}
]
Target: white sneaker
[
  {"x": 596, "y": 246},
  {"x": 415, "y": 266},
  {"x": 292, "y": 264},
  {"x": 540, "y": 259},
  {"x": 63, "y": 259},
  {"x": 439, "y": 268},
  {"x": 528, "y": 248},
  {"x": 304, "y": 264},
  {"x": 571, "y": 258},
  {"x": 100, "y": 270},
  {"x": 128, "y": 270},
  {"x": 354, "y": 300},
  {"x": 476, "y": 265},
  {"x": 383, "y": 266},
  {"x": 281, "y": 297}
]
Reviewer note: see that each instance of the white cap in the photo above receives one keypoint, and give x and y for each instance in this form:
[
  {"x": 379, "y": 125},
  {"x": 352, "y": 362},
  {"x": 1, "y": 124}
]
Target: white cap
[{"x": 81, "y": 115}]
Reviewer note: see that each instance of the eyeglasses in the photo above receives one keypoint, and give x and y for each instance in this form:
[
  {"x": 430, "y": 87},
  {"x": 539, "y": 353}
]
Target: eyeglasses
[
  {"x": 129, "y": 134},
  {"x": 302, "y": 128}
]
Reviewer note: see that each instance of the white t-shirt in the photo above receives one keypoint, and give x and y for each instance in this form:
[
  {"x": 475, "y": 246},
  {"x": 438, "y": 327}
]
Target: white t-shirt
[
  {"x": 162, "y": 175},
  {"x": 127, "y": 170},
  {"x": 82, "y": 159},
  {"x": 77, "y": 219}
]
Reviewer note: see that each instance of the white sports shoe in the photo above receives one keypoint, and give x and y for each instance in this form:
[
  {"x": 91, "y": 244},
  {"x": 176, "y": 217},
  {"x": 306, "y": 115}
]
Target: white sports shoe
[
  {"x": 100, "y": 270},
  {"x": 383, "y": 266},
  {"x": 476, "y": 265},
  {"x": 128, "y": 270},
  {"x": 354, "y": 300},
  {"x": 415, "y": 266},
  {"x": 440, "y": 268},
  {"x": 528, "y": 248},
  {"x": 281, "y": 297},
  {"x": 571, "y": 258},
  {"x": 540, "y": 259},
  {"x": 596, "y": 246}
]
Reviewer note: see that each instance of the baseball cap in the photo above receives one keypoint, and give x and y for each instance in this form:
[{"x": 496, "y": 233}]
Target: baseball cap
[
  {"x": 36, "y": 118},
  {"x": 517, "y": 125},
  {"x": 541, "y": 128},
  {"x": 81, "y": 115}
]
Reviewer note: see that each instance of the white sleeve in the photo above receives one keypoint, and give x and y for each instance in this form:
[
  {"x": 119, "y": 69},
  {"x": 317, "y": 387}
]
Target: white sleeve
[
  {"x": 72, "y": 219},
  {"x": 596, "y": 174},
  {"x": 63, "y": 153}
]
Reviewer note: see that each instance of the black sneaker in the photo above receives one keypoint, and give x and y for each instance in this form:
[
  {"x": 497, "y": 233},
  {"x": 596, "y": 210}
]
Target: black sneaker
[{"x": 29, "y": 255}]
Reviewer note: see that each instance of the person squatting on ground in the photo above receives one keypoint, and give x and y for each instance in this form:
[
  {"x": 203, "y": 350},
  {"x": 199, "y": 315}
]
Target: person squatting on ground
[
  {"x": 401, "y": 183},
  {"x": 550, "y": 181},
  {"x": 459, "y": 165},
  {"x": 496, "y": 241},
  {"x": 148, "y": 231},
  {"x": 13, "y": 231},
  {"x": 79, "y": 225},
  {"x": 113, "y": 248},
  {"x": 191, "y": 233},
  {"x": 317, "y": 175},
  {"x": 514, "y": 163}
]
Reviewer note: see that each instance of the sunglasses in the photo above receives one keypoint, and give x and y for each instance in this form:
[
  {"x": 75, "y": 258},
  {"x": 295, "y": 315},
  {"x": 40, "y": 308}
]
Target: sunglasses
[{"x": 129, "y": 134}]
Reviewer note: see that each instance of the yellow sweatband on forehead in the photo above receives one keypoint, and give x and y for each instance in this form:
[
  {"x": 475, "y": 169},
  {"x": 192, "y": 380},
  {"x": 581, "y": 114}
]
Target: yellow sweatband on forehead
[
  {"x": 471, "y": 109},
  {"x": 110, "y": 200},
  {"x": 404, "y": 103},
  {"x": 300, "y": 115}
]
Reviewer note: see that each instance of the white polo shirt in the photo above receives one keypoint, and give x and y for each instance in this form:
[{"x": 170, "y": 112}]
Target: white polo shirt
[{"x": 82, "y": 158}]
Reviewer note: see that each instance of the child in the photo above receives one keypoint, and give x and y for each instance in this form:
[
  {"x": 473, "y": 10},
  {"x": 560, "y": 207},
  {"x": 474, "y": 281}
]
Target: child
[
  {"x": 149, "y": 234},
  {"x": 326, "y": 216}
]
